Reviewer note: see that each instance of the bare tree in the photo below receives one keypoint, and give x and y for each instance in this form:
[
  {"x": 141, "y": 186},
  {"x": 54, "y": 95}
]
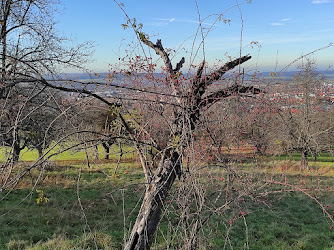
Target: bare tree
[
  {"x": 103, "y": 119},
  {"x": 29, "y": 48},
  {"x": 187, "y": 106},
  {"x": 29, "y": 118},
  {"x": 306, "y": 119}
]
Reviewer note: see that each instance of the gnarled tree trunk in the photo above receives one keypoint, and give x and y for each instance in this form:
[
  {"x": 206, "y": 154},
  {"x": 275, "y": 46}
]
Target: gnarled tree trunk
[
  {"x": 16, "y": 152},
  {"x": 148, "y": 218}
]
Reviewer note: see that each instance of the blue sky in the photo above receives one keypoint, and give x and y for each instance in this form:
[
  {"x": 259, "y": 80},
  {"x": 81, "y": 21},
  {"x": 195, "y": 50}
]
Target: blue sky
[{"x": 285, "y": 29}]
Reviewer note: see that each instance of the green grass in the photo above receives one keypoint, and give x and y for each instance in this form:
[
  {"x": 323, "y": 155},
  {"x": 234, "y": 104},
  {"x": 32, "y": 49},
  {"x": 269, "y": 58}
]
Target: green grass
[
  {"x": 31, "y": 222},
  {"x": 292, "y": 221},
  {"x": 26, "y": 222},
  {"x": 70, "y": 155},
  {"x": 323, "y": 157},
  {"x": 287, "y": 226}
]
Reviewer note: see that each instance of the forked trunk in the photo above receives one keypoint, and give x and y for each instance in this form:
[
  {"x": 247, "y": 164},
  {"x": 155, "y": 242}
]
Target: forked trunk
[{"x": 148, "y": 218}]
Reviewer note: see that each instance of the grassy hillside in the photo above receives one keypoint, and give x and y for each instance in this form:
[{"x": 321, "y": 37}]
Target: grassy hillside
[{"x": 52, "y": 215}]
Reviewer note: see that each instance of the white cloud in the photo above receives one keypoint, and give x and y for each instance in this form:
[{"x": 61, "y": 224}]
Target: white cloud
[
  {"x": 321, "y": 1},
  {"x": 165, "y": 19},
  {"x": 281, "y": 22},
  {"x": 276, "y": 24},
  {"x": 161, "y": 22}
]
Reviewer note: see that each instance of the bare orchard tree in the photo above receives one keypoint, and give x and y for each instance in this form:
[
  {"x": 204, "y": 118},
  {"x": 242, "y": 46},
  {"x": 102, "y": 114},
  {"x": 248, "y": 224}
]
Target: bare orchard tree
[
  {"x": 161, "y": 124},
  {"x": 261, "y": 126},
  {"x": 30, "y": 118},
  {"x": 305, "y": 118},
  {"x": 29, "y": 47},
  {"x": 188, "y": 100},
  {"x": 101, "y": 118}
]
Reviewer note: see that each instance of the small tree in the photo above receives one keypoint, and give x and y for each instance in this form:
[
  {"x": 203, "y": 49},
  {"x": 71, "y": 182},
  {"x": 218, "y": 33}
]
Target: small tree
[
  {"x": 305, "y": 119},
  {"x": 186, "y": 108},
  {"x": 29, "y": 48},
  {"x": 101, "y": 118},
  {"x": 30, "y": 118}
]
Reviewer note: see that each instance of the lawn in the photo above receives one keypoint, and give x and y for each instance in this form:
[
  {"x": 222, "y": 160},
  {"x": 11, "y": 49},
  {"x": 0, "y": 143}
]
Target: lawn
[
  {"x": 55, "y": 153},
  {"x": 52, "y": 214},
  {"x": 323, "y": 157}
]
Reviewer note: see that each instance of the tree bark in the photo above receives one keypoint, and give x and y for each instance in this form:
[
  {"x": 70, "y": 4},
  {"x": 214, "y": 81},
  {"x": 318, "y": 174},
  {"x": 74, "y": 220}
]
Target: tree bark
[
  {"x": 107, "y": 150},
  {"x": 16, "y": 152},
  {"x": 304, "y": 161},
  {"x": 148, "y": 218},
  {"x": 40, "y": 152}
]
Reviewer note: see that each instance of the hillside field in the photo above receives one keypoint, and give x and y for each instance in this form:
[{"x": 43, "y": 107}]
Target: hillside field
[{"x": 72, "y": 206}]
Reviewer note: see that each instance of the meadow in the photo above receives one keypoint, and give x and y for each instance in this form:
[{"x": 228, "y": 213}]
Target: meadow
[{"x": 75, "y": 206}]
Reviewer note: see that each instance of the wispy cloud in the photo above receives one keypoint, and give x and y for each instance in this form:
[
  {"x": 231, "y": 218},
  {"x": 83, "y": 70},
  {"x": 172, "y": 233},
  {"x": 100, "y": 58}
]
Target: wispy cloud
[
  {"x": 161, "y": 22},
  {"x": 166, "y": 19},
  {"x": 276, "y": 24},
  {"x": 281, "y": 22},
  {"x": 321, "y": 1}
]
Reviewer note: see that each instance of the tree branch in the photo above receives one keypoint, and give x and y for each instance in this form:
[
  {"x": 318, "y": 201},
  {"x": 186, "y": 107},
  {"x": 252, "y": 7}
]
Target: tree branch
[
  {"x": 200, "y": 85},
  {"x": 216, "y": 75},
  {"x": 179, "y": 65},
  {"x": 224, "y": 93},
  {"x": 200, "y": 70},
  {"x": 65, "y": 89},
  {"x": 159, "y": 50}
]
